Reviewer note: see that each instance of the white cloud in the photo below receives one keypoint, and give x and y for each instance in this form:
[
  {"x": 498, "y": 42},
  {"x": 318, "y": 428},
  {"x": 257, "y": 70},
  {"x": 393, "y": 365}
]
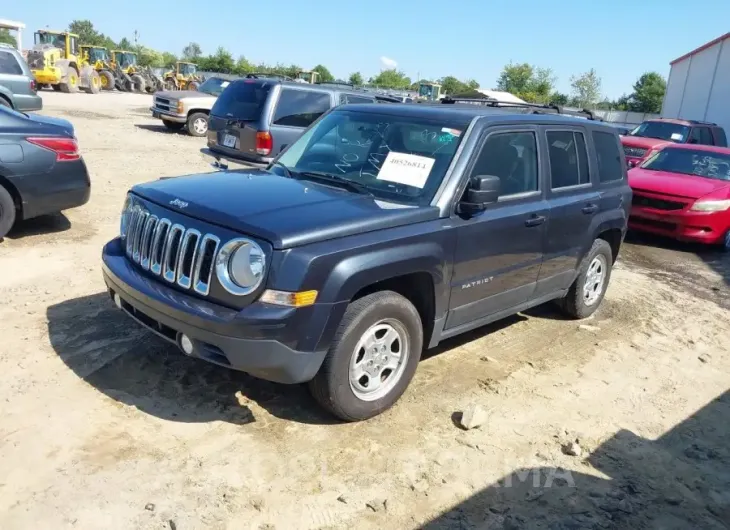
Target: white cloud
[{"x": 388, "y": 63}]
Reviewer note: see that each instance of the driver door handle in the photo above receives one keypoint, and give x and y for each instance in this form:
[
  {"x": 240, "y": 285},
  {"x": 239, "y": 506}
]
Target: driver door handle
[{"x": 535, "y": 220}]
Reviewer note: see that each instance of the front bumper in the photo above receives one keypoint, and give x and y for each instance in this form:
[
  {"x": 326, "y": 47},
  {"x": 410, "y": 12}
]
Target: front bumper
[
  {"x": 218, "y": 334},
  {"x": 700, "y": 227},
  {"x": 168, "y": 116}
]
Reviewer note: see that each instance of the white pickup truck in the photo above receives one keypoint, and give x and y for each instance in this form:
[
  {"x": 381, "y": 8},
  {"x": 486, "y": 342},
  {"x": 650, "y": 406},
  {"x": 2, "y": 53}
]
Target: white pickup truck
[{"x": 188, "y": 109}]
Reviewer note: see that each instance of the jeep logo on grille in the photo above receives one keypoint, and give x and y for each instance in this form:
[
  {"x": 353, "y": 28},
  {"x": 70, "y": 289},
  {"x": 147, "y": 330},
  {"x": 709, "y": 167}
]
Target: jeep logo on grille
[{"x": 178, "y": 203}]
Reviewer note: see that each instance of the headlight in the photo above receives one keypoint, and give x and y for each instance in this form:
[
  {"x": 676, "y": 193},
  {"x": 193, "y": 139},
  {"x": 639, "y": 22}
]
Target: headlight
[
  {"x": 240, "y": 266},
  {"x": 124, "y": 222},
  {"x": 711, "y": 206},
  {"x": 180, "y": 107}
]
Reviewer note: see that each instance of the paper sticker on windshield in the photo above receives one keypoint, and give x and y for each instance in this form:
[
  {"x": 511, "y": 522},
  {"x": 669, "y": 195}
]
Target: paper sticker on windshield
[
  {"x": 402, "y": 168},
  {"x": 676, "y": 136},
  {"x": 224, "y": 84}
]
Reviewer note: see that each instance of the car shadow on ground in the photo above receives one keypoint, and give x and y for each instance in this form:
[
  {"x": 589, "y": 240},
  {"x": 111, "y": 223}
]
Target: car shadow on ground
[
  {"x": 45, "y": 224},
  {"x": 679, "y": 481},
  {"x": 161, "y": 129},
  {"x": 130, "y": 364}
]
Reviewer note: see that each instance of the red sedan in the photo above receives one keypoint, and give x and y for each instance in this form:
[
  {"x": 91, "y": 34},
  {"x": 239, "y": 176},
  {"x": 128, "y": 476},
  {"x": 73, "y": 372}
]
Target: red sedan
[{"x": 683, "y": 191}]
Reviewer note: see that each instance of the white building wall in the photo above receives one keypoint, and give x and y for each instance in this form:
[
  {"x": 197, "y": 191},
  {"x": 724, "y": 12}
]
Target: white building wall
[{"x": 699, "y": 86}]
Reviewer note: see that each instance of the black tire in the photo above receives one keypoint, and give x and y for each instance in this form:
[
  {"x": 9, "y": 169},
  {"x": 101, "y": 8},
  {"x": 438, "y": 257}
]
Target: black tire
[
  {"x": 56, "y": 87},
  {"x": 173, "y": 125},
  {"x": 107, "y": 80},
  {"x": 71, "y": 84},
  {"x": 5, "y": 103},
  {"x": 94, "y": 86},
  {"x": 331, "y": 386},
  {"x": 574, "y": 304},
  {"x": 725, "y": 245},
  {"x": 138, "y": 84},
  {"x": 194, "y": 120},
  {"x": 7, "y": 212}
]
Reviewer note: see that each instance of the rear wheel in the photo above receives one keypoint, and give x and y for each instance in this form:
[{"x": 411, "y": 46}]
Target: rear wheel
[
  {"x": 94, "y": 86},
  {"x": 197, "y": 124},
  {"x": 589, "y": 288},
  {"x": 56, "y": 88},
  {"x": 138, "y": 83},
  {"x": 7, "y": 211},
  {"x": 70, "y": 84},
  {"x": 173, "y": 125},
  {"x": 107, "y": 80},
  {"x": 372, "y": 358}
]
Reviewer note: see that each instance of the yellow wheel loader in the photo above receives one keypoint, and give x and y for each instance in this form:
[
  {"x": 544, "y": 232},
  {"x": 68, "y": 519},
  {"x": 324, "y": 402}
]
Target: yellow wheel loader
[
  {"x": 307, "y": 76},
  {"x": 56, "y": 60},
  {"x": 126, "y": 62},
  {"x": 99, "y": 59},
  {"x": 183, "y": 77}
]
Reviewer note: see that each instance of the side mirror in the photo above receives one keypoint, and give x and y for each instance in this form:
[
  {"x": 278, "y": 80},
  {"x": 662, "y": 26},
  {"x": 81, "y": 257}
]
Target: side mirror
[{"x": 481, "y": 191}]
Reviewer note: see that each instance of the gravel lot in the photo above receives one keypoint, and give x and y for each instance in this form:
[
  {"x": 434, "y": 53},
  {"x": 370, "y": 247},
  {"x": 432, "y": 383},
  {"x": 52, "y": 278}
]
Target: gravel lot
[{"x": 106, "y": 426}]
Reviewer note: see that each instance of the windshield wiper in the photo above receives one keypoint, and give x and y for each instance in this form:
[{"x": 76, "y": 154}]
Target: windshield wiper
[
  {"x": 328, "y": 178},
  {"x": 286, "y": 169}
]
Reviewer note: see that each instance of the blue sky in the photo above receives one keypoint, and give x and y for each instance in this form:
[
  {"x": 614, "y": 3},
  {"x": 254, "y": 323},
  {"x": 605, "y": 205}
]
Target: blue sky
[{"x": 621, "y": 39}]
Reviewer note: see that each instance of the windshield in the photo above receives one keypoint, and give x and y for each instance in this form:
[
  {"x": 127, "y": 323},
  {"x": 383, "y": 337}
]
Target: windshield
[
  {"x": 662, "y": 130},
  {"x": 696, "y": 162},
  {"x": 129, "y": 59},
  {"x": 397, "y": 158},
  {"x": 187, "y": 69},
  {"x": 97, "y": 54},
  {"x": 214, "y": 86},
  {"x": 243, "y": 100},
  {"x": 54, "y": 39}
]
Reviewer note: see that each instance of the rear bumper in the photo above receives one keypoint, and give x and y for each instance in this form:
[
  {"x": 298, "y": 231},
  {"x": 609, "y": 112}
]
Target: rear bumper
[
  {"x": 219, "y": 159},
  {"x": 66, "y": 185},
  {"x": 219, "y": 335},
  {"x": 48, "y": 76},
  {"x": 709, "y": 228},
  {"x": 28, "y": 103}
]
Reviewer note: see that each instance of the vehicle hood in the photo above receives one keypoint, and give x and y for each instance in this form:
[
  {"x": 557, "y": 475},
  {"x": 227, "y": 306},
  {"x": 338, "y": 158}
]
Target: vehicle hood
[
  {"x": 65, "y": 125},
  {"x": 644, "y": 143},
  {"x": 675, "y": 184},
  {"x": 182, "y": 94},
  {"x": 283, "y": 211}
]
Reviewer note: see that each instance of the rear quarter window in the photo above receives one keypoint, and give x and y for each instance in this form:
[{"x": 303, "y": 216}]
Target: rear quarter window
[
  {"x": 720, "y": 138},
  {"x": 610, "y": 168},
  {"x": 9, "y": 64},
  {"x": 299, "y": 108},
  {"x": 243, "y": 100}
]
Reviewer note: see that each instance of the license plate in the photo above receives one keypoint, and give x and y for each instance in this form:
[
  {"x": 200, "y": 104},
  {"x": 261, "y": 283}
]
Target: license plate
[{"x": 229, "y": 140}]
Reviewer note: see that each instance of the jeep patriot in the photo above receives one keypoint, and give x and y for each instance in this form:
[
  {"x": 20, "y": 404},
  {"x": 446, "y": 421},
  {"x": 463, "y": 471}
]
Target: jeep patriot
[{"x": 380, "y": 232}]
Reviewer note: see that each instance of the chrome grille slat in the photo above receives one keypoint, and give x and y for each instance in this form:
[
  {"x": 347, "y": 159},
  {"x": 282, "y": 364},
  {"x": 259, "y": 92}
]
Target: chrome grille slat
[
  {"x": 158, "y": 245},
  {"x": 169, "y": 262},
  {"x": 183, "y": 256},
  {"x": 191, "y": 237},
  {"x": 146, "y": 243},
  {"x": 201, "y": 278}
]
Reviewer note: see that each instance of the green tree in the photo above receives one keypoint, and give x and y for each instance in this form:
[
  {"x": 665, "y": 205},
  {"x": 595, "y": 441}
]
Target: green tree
[
  {"x": 586, "y": 88},
  {"x": 124, "y": 44},
  {"x": 451, "y": 85},
  {"x": 7, "y": 38},
  {"x": 648, "y": 93},
  {"x": 391, "y": 79},
  {"x": 192, "y": 51},
  {"x": 472, "y": 83},
  {"x": 221, "y": 61},
  {"x": 558, "y": 98},
  {"x": 527, "y": 82},
  {"x": 149, "y": 57},
  {"x": 325, "y": 76},
  {"x": 243, "y": 66},
  {"x": 88, "y": 34},
  {"x": 356, "y": 79},
  {"x": 168, "y": 59}
]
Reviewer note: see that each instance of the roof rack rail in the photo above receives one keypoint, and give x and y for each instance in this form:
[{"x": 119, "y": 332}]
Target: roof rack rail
[
  {"x": 538, "y": 108},
  {"x": 335, "y": 83},
  {"x": 264, "y": 75}
]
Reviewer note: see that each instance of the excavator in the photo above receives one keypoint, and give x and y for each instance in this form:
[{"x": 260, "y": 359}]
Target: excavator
[{"x": 56, "y": 60}]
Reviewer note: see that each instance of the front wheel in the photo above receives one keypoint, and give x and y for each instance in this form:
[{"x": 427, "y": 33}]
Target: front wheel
[
  {"x": 7, "y": 211},
  {"x": 589, "y": 288},
  {"x": 372, "y": 358},
  {"x": 197, "y": 124},
  {"x": 173, "y": 125}
]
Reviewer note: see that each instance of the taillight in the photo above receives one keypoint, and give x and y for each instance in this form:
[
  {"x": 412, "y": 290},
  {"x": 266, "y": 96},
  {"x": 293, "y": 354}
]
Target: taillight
[
  {"x": 66, "y": 149},
  {"x": 264, "y": 143},
  {"x": 33, "y": 87}
]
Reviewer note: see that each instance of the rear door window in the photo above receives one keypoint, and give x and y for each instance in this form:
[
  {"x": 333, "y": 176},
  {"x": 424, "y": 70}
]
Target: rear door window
[
  {"x": 705, "y": 136},
  {"x": 9, "y": 65},
  {"x": 299, "y": 108},
  {"x": 610, "y": 167},
  {"x": 568, "y": 159},
  {"x": 243, "y": 100}
]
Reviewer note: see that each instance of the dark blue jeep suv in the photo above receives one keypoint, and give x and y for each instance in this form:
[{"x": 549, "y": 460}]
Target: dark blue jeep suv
[{"x": 381, "y": 231}]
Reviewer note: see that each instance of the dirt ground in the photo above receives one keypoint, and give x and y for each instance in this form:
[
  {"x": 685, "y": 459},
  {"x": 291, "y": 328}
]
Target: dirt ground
[{"x": 104, "y": 425}]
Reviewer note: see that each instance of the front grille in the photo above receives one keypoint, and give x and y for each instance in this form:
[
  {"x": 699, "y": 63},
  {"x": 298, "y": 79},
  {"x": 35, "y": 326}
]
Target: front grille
[
  {"x": 658, "y": 204},
  {"x": 165, "y": 104},
  {"x": 178, "y": 254},
  {"x": 636, "y": 152}
]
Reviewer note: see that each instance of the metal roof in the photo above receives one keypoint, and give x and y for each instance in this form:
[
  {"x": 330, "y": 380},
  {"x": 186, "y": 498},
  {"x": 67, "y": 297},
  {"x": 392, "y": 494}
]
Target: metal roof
[
  {"x": 701, "y": 48},
  {"x": 11, "y": 24}
]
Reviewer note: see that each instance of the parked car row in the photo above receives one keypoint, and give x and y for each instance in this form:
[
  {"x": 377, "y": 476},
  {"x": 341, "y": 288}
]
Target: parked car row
[{"x": 18, "y": 89}]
